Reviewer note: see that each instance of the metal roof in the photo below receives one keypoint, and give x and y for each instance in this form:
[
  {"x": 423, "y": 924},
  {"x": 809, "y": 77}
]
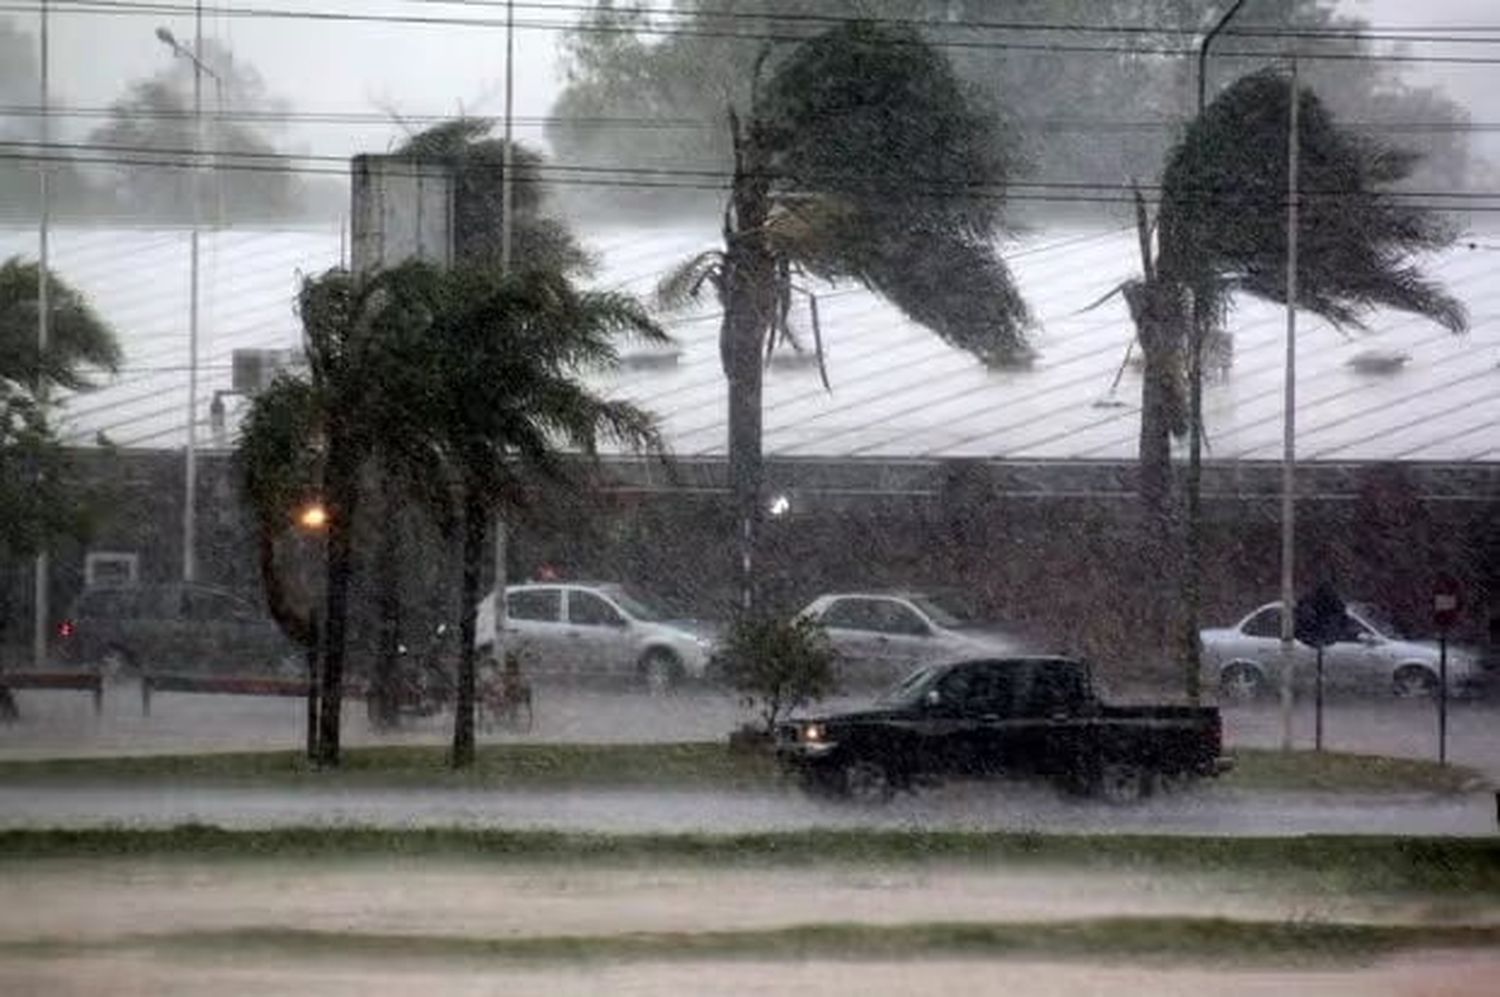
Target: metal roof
[{"x": 897, "y": 391}]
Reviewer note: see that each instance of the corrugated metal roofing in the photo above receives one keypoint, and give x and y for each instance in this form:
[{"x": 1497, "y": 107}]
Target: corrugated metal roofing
[{"x": 898, "y": 391}]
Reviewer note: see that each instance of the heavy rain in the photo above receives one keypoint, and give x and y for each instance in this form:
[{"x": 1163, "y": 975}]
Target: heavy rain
[{"x": 695, "y": 496}]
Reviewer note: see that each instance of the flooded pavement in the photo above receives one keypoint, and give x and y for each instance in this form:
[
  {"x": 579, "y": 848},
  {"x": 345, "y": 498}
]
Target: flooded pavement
[
  {"x": 1207, "y": 810},
  {"x": 59, "y": 723}
]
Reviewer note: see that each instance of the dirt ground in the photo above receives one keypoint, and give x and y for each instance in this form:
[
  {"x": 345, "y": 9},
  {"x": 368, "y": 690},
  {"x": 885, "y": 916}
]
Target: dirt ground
[
  {"x": 140, "y": 974},
  {"x": 104, "y": 900},
  {"x": 83, "y": 904}
]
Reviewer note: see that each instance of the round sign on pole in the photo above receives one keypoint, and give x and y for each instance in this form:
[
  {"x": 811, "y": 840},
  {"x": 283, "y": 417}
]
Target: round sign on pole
[{"x": 1447, "y": 601}]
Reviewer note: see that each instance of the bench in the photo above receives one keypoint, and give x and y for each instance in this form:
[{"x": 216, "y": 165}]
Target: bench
[
  {"x": 82, "y": 681},
  {"x": 230, "y": 685}
]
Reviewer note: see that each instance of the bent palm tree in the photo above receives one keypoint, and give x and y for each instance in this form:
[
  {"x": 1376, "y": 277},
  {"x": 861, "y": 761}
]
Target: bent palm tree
[
  {"x": 491, "y": 398},
  {"x": 1223, "y": 231},
  {"x": 861, "y": 158}
]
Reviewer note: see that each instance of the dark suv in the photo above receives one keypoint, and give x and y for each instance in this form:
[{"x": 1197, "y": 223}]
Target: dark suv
[{"x": 181, "y": 627}]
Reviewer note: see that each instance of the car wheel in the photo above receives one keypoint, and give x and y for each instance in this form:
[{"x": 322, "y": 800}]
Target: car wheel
[
  {"x": 660, "y": 672},
  {"x": 867, "y": 782},
  {"x": 1241, "y": 683},
  {"x": 1414, "y": 682},
  {"x": 1122, "y": 782}
]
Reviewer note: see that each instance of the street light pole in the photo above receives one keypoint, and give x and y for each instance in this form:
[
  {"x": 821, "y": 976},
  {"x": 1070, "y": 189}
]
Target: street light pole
[
  {"x": 41, "y": 602},
  {"x": 190, "y": 466},
  {"x": 1193, "y": 597},
  {"x": 507, "y": 202},
  {"x": 1289, "y": 419}
]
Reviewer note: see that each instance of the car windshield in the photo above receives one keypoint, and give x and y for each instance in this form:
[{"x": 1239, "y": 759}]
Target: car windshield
[
  {"x": 908, "y": 690},
  {"x": 634, "y": 604},
  {"x": 942, "y": 610},
  {"x": 1376, "y": 617}
]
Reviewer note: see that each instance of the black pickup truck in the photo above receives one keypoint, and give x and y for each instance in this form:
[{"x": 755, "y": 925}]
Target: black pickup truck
[{"x": 1032, "y": 717}]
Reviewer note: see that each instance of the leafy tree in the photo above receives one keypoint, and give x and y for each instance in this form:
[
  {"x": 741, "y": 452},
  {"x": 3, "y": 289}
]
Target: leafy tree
[
  {"x": 456, "y": 384},
  {"x": 1223, "y": 231},
  {"x": 538, "y": 241},
  {"x": 41, "y": 497},
  {"x": 638, "y": 99},
  {"x": 860, "y": 157},
  {"x": 491, "y": 398},
  {"x": 157, "y": 114},
  {"x": 779, "y": 665}
]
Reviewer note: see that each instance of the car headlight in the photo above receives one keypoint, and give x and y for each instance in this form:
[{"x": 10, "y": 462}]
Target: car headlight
[{"x": 814, "y": 733}]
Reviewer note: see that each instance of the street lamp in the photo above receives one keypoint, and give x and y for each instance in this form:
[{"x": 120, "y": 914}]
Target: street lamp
[
  {"x": 190, "y": 469},
  {"x": 1289, "y": 391}
]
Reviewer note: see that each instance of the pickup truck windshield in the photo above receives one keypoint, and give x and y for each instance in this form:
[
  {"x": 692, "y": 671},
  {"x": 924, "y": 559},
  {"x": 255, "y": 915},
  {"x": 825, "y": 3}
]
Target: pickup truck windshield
[{"x": 908, "y": 690}]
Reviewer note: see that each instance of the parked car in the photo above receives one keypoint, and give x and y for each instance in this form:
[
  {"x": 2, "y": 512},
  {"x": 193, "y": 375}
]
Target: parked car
[
  {"x": 987, "y": 717},
  {"x": 880, "y": 636},
  {"x": 1369, "y": 656},
  {"x": 178, "y": 627},
  {"x": 579, "y": 629}
]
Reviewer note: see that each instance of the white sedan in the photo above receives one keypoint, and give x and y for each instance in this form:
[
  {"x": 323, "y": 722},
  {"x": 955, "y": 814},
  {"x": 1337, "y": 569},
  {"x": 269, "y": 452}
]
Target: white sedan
[
  {"x": 1369, "y": 655},
  {"x": 880, "y": 636}
]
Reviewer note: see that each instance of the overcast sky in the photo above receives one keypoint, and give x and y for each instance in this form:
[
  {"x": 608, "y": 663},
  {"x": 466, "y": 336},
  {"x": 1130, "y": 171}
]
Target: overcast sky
[{"x": 439, "y": 69}]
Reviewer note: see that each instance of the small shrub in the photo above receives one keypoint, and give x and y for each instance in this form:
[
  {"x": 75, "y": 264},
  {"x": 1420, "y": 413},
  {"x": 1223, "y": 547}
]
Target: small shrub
[{"x": 779, "y": 665}]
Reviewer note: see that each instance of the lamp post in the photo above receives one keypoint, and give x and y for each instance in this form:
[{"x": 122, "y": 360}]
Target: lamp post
[
  {"x": 40, "y": 603},
  {"x": 1289, "y": 414},
  {"x": 190, "y": 468}
]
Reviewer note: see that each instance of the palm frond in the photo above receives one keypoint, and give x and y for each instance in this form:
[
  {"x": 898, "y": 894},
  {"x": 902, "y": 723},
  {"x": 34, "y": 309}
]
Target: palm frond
[{"x": 683, "y": 284}]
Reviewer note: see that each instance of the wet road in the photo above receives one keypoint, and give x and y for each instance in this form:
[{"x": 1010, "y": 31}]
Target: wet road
[
  {"x": 1207, "y": 810},
  {"x": 63, "y": 723}
]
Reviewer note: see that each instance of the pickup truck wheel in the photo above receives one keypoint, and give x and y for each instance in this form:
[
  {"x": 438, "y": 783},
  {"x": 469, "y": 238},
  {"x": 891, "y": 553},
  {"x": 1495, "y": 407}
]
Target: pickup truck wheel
[
  {"x": 1121, "y": 782},
  {"x": 867, "y": 782},
  {"x": 1241, "y": 683}
]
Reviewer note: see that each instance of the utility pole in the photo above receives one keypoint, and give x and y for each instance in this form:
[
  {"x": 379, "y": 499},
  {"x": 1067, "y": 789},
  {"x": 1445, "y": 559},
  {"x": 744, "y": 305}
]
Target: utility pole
[
  {"x": 1193, "y": 581},
  {"x": 41, "y": 602},
  {"x": 1289, "y": 421},
  {"x": 190, "y": 467},
  {"x": 507, "y": 202}
]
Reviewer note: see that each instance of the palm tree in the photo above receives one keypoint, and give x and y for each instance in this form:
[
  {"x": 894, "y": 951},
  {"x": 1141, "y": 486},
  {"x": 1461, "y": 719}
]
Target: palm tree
[
  {"x": 39, "y": 500},
  {"x": 1223, "y": 231},
  {"x": 861, "y": 158},
  {"x": 493, "y": 400}
]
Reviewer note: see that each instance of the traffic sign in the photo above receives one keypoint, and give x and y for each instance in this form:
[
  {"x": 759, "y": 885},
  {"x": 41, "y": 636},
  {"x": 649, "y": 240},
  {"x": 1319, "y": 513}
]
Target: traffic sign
[
  {"x": 1319, "y": 619},
  {"x": 1447, "y": 600}
]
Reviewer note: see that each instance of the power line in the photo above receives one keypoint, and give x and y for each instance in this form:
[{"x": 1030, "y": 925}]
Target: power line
[
  {"x": 703, "y": 179},
  {"x": 139, "y": 7}
]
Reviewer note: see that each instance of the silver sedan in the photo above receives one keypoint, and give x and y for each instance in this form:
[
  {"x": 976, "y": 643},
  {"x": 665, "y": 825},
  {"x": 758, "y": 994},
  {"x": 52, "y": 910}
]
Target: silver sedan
[{"x": 1369, "y": 655}]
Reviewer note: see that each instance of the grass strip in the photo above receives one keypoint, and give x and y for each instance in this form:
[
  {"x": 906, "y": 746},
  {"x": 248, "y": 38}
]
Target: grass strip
[
  {"x": 1105, "y": 939},
  {"x": 1460, "y": 866},
  {"x": 694, "y": 765}
]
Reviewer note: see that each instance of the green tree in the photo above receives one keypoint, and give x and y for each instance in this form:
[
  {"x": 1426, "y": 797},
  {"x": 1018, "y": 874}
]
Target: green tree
[
  {"x": 492, "y": 399},
  {"x": 1087, "y": 107},
  {"x": 1222, "y": 231},
  {"x": 459, "y": 385},
  {"x": 860, "y": 157},
  {"x": 538, "y": 240},
  {"x": 779, "y": 665},
  {"x": 41, "y": 496},
  {"x": 153, "y": 126}
]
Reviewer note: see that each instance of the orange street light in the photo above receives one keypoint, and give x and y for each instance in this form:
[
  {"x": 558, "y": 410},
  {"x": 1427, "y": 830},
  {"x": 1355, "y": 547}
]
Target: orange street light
[{"x": 312, "y": 516}]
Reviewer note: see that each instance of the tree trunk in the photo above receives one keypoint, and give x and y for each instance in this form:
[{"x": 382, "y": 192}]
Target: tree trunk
[
  {"x": 475, "y": 518},
  {"x": 1156, "y": 320},
  {"x": 1192, "y": 567},
  {"x": 342, "y": 486},
  {"x": 382, "y": 704},
  {"x": 749, "y": 296}
]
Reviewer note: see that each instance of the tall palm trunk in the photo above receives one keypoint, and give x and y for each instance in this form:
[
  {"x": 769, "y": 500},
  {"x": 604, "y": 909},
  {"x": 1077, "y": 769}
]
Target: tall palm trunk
[
  {"x": 476, "y": 516},
  {"x": 1153, "y": 308},
  {"x": 383, "y": 680},
  {"x": 749, "y": 297}
]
